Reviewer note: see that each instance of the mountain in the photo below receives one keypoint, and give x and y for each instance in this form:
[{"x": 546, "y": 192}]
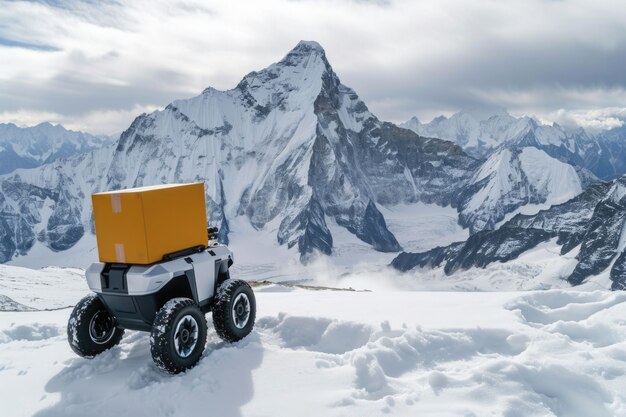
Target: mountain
[
  {"x": 593, "y": 224},
  {"x": 483, "y": 131},
  {"x": 28, "y": 147},
  {"x": 478, "y": 131},
  {"x": 608, "y": 157},
  {"x": 511, "y": 179},
  {"x": 289, "y": 148},
  {"x": 528, "y": 166}
]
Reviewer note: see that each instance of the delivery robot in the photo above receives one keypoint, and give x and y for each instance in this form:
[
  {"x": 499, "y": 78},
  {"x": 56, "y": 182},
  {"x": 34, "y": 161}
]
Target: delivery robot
[{"x": 169, "y": 299}]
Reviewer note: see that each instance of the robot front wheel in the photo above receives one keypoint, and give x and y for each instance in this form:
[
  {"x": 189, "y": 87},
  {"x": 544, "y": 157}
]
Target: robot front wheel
[
  {"x": 179, "y": 331},
  {"x": 178, "y": 335}
]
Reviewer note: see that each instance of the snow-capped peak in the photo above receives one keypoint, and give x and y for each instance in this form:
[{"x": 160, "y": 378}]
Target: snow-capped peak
[
  {"x": 477, "y": 129},
  {"x": 413, "y": 124},
  {"x": 482, "y": 130},
  {"x": 286, "y": 151},
  {"x": 27, "y": 147},
  {"x": 480, "y": 113},
  {"x": 286, "y": 87},
  {"x": 307, "y": 46},
  {"x": 511, "y": 179},
  {"x": 305, "y": 54}
]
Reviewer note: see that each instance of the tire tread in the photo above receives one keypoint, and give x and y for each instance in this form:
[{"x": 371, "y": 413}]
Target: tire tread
[
  {"x": 222, "y": 310},
  {"x": 162, "y": 327},
  {"x": 78, "y": 328}
]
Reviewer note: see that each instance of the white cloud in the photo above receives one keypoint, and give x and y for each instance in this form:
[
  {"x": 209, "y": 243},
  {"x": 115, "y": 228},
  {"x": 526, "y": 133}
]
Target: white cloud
[
  {"x": 593, "y": 120},
  {"x": 29, "y": 117},
  {"x": 97, "y": 122},
  {"x": 403, "y": 57},
  {"x": 587, "y": 106}
]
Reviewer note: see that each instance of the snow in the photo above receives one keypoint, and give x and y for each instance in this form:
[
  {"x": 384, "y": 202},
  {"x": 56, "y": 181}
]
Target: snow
[
  {"x": 80, "y": 255},
  {"x": 617, "y": 192},
  {"x": 45, "y": 142},
  {"x": 338, "y": 353},
  {"x": 483, "y": 130},
  {"x": 418, "y": 227},
  {"x": 48, "y": 288},
  {"x": 555, "y": 179},
  {"x": 502, "y": 178},
  {"x": 511, "y": 180}
]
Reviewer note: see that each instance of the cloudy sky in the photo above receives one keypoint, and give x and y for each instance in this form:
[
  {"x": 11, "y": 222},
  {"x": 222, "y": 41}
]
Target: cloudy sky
[{"x": 95, "y": 65}]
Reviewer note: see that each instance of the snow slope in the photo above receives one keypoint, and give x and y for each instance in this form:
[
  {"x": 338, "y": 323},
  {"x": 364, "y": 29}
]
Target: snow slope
[
  {"x": 45, "y": 289},
  {"x": 418, "y": 227},
  {"x": 341, "y": 353}
]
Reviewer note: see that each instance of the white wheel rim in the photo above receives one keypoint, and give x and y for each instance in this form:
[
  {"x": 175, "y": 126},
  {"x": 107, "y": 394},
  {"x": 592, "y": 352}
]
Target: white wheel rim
[
  {"x": 241, "y": 311},
  {"x": 186, "y": 336}
]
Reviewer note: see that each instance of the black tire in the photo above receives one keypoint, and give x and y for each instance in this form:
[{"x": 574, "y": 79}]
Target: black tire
[
  {"x": 91, "y": 329},
  {"x": 178, "y": 335},
  {"x": 231, "y": 320}
]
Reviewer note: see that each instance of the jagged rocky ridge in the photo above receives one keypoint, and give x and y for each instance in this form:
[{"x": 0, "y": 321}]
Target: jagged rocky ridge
[
  {"x": 289, "y": 147},
  {"x": 593, "y": 221}
]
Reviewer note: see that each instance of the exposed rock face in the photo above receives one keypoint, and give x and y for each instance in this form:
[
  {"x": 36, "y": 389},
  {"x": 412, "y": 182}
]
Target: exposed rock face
[
  {"x": 595, "y": 220},
  {"x": 290, "y": 145},
  {"x": 607, "y": 158}
]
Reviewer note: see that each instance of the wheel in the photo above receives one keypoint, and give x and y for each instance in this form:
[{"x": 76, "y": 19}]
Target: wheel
[
  {"x": 91, "y": 329},
  {"x": 178, "y": 335},
  {"x": 234, "y": 310}
]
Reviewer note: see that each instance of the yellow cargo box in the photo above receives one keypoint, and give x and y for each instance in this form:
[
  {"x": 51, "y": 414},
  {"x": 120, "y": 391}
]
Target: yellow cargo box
[{"x": 141, "y": 225}]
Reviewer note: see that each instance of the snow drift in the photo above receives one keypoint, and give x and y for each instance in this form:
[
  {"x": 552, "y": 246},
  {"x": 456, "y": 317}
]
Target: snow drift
[{"x": 337, "y": 353}]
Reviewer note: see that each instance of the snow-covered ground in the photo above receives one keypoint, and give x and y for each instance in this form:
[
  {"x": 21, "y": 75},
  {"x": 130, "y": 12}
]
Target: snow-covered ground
[
  {"x": 44, "y": 289},
  {"x": 417, "y": 227},
  {"x": 332, "y": 353}
]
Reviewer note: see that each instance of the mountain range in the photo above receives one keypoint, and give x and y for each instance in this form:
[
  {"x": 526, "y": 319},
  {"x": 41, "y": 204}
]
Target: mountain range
[
  {"x": 29, "y": 147},
  {"x": 292, "y": 151},
  {"x": 592, "y": 224},
  {"x": 589, "y": 223},
  {"x": 289, "y": 145},
  {"x": 482, "y": 131}
]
